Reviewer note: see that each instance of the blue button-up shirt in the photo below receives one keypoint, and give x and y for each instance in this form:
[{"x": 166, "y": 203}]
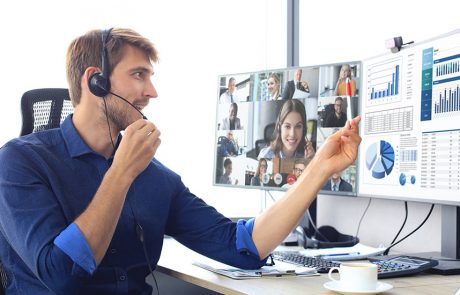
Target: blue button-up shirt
[{"x": 47, "y": 179}]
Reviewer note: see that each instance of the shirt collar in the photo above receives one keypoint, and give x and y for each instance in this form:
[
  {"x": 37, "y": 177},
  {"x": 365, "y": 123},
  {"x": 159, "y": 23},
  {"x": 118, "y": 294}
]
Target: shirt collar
[
  {"x": 338, "y": 182},
  {"x": 75, "y": 144}
]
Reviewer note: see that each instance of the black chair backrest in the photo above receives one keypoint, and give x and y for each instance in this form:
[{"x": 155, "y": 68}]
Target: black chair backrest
[
  {"x": 44, "y": 109},
  {"x": 269, "y": 132}
]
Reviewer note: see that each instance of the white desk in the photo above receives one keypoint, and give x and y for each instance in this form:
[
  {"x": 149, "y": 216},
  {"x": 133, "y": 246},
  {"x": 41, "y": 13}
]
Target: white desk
[{"x": 176, "y": 261}]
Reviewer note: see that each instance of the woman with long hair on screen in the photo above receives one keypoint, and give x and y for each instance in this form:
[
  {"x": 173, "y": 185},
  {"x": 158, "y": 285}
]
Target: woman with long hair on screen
[
  {"x": 290, "y": 134},
  {"x": 257, "y": 179},
  {"x": 345, "y": 81},
  {"x": 273, "y": 87}
]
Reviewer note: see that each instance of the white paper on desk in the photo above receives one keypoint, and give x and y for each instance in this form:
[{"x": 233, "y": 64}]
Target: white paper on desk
[
  {"x": 356, "y": 252},
  {"x": 280, "y": 269}
]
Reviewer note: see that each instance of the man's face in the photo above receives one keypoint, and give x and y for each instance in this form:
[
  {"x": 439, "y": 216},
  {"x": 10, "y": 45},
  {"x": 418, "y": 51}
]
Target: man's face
[
  {"x": 228, "y": 169},
  {"x": 298, "y": 75},
  {"x": 232, "y": 113},
  {"x": 298, "y": 169},
  {"x": 338, "y": 107},
  {"x": 131, "y": 79},
  {"x": 335, "y": 176},
  {"x": 231, "y": 86}
]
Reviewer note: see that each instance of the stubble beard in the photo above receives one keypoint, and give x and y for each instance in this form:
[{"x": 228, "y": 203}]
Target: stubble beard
[{"x": 117, "y": 115}]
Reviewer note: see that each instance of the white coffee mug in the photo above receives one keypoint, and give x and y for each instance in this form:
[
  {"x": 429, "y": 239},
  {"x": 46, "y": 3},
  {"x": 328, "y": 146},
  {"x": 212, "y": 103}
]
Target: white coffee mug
[{"x": 356, "y": 276}]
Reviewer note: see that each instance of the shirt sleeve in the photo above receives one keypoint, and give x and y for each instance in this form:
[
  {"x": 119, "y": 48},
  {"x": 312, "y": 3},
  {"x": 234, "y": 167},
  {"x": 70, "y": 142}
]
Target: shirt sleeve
[
  {"x": 201, "y": 228},
  {"x": 30, "y": 221},
  {"x": 72, "y": 242},
  {"x": 244, "y": 242}
]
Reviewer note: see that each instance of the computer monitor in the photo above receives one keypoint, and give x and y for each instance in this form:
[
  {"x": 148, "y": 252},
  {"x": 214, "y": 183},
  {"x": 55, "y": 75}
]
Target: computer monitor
[
  {"x": 269, "y": 124},
  {"x": 410, "y": 124}
]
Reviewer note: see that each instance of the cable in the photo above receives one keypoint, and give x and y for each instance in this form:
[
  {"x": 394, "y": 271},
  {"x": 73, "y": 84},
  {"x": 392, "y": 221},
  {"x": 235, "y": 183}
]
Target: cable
[
  {"x": 108, "y": 124},
  {"x": 362, "y": 217},
  {"x": 140, "y": 235},
  {"x": 271, "y": 196},
  {"x": 426, "y": 218},
  {"x": 139, "y": 230},
  {"x": 402, "y": 226},
  {"x": 314, "y": 226}
]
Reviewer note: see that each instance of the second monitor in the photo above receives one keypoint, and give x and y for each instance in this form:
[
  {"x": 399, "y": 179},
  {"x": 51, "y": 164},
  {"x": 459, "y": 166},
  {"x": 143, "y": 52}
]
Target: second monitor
[{"x": 269, "y": 124}]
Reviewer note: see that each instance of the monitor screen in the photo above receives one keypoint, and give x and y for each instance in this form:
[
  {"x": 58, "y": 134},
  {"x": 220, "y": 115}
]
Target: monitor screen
[
  {"x": 269, "y": 124},
  {"x": 411, "y": 123}
]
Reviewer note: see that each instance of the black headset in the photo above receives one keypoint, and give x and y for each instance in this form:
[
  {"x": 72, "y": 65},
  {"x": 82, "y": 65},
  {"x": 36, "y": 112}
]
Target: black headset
[
  {"x": 327, "y": 237},
  {"x": 99, "y": 83}
]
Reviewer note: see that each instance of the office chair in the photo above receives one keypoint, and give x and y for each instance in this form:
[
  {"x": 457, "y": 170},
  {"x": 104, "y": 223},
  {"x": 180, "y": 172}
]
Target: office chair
[
  {"x": 328, "y": 109},
  {"x": 41, "y": 109},
  {"x": 44, "y": 109}
]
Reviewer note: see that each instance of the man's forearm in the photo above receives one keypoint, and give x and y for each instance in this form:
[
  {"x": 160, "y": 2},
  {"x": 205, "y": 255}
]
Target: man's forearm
[
  {"x": 276, "y": 222},
  {"x": 99, "y": 220}
]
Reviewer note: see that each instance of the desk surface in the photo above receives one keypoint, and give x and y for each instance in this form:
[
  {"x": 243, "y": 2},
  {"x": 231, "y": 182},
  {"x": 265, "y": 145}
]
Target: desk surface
[{"x": 176, "y": 261}]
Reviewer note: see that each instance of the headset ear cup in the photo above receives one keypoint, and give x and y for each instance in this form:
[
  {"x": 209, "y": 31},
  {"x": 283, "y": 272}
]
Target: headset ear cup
[{"x": 98, "y": 85}]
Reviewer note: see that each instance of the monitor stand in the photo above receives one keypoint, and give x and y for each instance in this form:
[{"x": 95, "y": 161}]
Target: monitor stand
[
  {"x": 450, "y": 242},
  {"x": 450, "y": 236}
]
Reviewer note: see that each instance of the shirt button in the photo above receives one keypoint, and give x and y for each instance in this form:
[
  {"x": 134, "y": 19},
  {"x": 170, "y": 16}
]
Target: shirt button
[
  {"x": 113, "y": 250},
  {"x": 122, "y": 278}
]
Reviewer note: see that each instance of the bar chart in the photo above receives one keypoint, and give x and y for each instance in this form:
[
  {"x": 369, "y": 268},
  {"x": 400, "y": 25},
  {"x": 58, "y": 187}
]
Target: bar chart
[
  {"x": 446, "y": 100},
  {"x": 446, "y": 66},
  {"x": 446, "y": 83},
  {"x": 384, "y": 82}
]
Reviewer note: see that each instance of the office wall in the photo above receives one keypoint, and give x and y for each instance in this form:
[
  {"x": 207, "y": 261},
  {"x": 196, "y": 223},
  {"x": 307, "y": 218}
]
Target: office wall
[{"x": 198, "y": 40}]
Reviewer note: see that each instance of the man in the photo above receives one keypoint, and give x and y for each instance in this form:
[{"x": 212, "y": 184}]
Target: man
[
  {"x": 229, "y": 147},
  {"x": 78, "y": 204},
  {"x": 228, "y": 95},
  {"x": 292, "y": 85},
  {"x": 228, "y": 168},
  {"x": 338, "y": 118},
  {"x": 337, "y": 184},
  {"x": 299, "y": 167},
  {"x": 232, "y": 122}
]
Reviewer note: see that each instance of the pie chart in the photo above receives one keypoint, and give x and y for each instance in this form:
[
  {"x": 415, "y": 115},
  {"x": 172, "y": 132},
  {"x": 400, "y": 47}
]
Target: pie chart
[{"x": 380, "y": 159}]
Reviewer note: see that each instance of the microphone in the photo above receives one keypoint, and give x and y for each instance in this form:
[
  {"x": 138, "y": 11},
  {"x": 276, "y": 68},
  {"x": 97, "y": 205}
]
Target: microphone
[{"x": 125, "y": 100}]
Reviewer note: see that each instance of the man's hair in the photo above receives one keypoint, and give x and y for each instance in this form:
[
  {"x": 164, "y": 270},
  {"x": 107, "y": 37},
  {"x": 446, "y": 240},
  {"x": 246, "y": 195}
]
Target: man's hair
[
  {"x": 339, "y": 98},
  {"x": 227, "y": 162},
  {"x": 230, "y": 80},
  {"x": 86, "y": 51},
  {"x": 234, "y": 106},
  {"x": 300, "y": 161}
]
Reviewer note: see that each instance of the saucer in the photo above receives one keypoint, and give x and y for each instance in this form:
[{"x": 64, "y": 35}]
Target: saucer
[{"x": 335, "y": 286}]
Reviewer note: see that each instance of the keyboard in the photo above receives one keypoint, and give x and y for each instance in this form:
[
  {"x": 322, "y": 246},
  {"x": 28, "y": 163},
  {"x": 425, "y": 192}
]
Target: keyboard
[
  {"x": 387, "y": 267},
  {"x": 294, "y": 257}
]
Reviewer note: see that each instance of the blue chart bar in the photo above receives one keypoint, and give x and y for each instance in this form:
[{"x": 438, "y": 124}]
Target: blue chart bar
[
  {"x": 391, "y": 89},
  {"x": 449, "y": 101},
  {"x": 447, "y": 65},
  {"x": 448, "y": 68}
]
